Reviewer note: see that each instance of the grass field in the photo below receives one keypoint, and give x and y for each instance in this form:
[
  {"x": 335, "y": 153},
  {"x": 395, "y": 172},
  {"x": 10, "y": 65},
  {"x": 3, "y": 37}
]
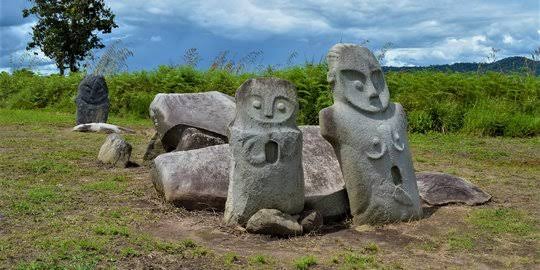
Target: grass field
[{"x": 59, "y": 208}]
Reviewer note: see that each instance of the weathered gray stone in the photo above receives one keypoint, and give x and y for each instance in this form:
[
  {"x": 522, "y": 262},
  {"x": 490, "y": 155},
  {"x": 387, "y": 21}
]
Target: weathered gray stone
[
  {"x": 102, "y": 128},
  {"x": 369, "y": 136},
  {"x": 92, "y": 100},
  {"x": 193, "y": 138},
  {"x": 266, "y": 146},
  {"x": 154, "y": 148},
  {"x": 440, "y": 189},
  {"x": 311, "y": 220},
  {"x": 273, "y": 222},
  {"x": 322, "y": 175},
  {"x": 196, "y": 179},
  {"x": 115, "y": 151},
  {"x": 172, "y": 113}
]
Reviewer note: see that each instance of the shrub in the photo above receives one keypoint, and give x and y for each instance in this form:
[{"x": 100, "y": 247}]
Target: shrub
[{"x": 489, "y": 104}]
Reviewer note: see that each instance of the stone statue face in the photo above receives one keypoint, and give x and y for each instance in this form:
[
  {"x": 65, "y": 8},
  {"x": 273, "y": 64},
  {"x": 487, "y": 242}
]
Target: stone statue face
[
  {"x": 267, "y": 101},
  {"x": 93, "y": 89},
  {"x": 358, "y": 78}
]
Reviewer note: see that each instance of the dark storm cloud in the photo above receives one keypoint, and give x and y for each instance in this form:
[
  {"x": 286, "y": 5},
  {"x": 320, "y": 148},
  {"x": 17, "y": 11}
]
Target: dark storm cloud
[{"x": 423, "y": 32}]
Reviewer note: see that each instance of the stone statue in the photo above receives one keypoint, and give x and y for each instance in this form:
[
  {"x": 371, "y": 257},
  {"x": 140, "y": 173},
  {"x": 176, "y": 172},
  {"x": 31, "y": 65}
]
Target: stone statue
[
  {"x": 266, "y": 168},
  {"x": 92, "y": 100},
  {"x": 369, "y": 136}
]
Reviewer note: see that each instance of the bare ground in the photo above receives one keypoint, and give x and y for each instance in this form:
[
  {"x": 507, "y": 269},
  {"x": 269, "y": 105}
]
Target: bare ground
[{"x": 60, "y": 208}]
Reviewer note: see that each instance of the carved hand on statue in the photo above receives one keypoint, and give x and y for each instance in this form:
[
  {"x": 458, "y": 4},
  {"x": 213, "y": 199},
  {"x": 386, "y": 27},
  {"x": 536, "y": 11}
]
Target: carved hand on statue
[
  {"x": 397, "y": 141},
  {"x": 377, "y": 148},
  {"x": 261, "y": 150}
]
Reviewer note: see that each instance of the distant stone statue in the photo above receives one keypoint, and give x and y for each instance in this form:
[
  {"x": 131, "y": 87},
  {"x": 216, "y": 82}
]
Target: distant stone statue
[
  {"x": 369, "y": 136},
  {"x": 266, "y": 169},
  {"x": 92, "y": 100}
]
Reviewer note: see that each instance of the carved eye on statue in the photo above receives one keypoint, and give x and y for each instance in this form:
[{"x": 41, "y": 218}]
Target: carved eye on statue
[
  {"x": 353, "y": 76},
  {"x": 358, "y": 85},
  {"x": 256, "y": 104},
  {"x": 377, "y": 79},
  {"x": 281, "y": 107}
]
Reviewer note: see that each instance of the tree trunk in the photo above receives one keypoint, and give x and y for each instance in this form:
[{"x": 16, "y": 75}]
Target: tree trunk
[
  {"x": 73, "y": 64},
  {"x": 62, "y": 69}
]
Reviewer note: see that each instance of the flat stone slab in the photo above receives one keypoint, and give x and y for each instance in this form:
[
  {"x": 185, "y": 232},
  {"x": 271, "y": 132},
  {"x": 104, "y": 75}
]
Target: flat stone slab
[
  {"x": 199, "y": 178},
  {"x": 441, "y": 189},
  {"x": 211, "y": 111},
  {"x": 102, "y": 128},
  {"x": 193, "y": 138}
]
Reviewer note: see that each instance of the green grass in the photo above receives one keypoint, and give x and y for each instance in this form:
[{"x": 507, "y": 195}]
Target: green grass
[
  {"x": 358, "y": 261},
  {"x": 230, "y": 258},
  {"x": 105, "y": 185},
  {"x": 459, "y": 241},
  {"x": 502, "y": 220},
  {"x": 61, "y": 210},
  {"x": 258, "y": 259},
  {"x": 305, "y": 262}
]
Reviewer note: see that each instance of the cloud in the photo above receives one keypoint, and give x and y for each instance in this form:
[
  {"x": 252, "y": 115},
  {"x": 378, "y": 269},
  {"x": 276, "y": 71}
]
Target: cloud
[
  {"x": 423, "y": 32},
  {"x": 473, "y": 48},
  {"x": 508, "y": 39}
]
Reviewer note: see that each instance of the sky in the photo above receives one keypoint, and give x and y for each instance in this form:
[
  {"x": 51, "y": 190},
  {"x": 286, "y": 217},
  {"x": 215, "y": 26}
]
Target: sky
[{"x": 422, "y": 32}]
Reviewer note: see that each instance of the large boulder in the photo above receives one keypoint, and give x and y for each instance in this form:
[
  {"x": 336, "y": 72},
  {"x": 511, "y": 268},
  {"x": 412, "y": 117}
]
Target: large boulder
[
  {"x": 196, "y": 179},
  {"x": 199, "y": 178},
  {"x": 440, "y": 189},
  {"x": 92, "y": 100},
  {"x": 115, "y": 151},
  {"x": 173, "y": 113},
  {"x": 273, "y": 222},
  {"x": 322, "y": 175}
]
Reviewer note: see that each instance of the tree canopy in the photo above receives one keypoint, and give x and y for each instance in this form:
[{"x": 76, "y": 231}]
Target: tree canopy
[{"x": 67, "y": 30}]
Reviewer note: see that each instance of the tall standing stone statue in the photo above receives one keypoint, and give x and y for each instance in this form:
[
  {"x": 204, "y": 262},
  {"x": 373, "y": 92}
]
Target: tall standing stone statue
[
  {"x": 92, "y": 100},
  {"x": 266, "y": 170},
  {"x": 369, "y": 136}
]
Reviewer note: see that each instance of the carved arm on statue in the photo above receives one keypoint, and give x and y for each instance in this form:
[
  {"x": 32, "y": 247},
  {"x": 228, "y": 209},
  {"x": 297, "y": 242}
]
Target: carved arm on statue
[{"x": 327, "y": 125}]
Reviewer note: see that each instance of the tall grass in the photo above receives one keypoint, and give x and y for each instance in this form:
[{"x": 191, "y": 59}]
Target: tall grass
[{"x": 484, "y": 104}]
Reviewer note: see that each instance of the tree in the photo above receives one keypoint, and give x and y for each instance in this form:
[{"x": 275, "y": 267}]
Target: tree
[{"x": 66, "y": 29}]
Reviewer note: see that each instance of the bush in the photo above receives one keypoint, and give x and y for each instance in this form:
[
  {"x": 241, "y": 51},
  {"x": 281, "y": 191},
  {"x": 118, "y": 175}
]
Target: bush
[{"x": 492, "y": 104}]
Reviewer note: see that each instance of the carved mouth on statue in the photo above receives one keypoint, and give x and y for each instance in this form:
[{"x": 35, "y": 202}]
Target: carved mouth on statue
[
  {"x": 396, "y": 176},
  {"x": 271, "y": 151}
]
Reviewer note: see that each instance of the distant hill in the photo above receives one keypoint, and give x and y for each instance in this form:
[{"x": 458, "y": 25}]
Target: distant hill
[{"x": 506, "y": 65}]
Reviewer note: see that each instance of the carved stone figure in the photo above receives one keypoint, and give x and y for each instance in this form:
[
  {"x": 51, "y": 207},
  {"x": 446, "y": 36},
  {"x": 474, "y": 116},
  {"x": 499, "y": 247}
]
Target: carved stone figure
[
  {"x": 92, "y": 100},
  {"x": 199, "y": 179},
  {"x": 266, "y": 169},
  {"x": 369, "y": 136}
]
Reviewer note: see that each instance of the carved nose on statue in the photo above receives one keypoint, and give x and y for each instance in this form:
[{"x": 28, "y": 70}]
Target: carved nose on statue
[
  {"x": 268, "y": 114},
  {"x": 373, "y": 93}
]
